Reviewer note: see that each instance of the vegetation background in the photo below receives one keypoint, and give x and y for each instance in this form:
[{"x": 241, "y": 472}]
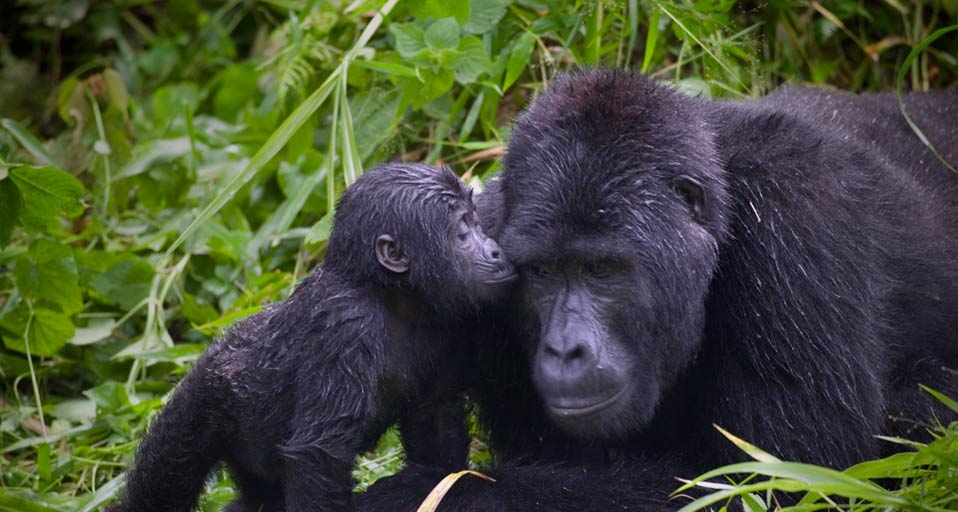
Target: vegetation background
[{"x": 169, "y": 167}]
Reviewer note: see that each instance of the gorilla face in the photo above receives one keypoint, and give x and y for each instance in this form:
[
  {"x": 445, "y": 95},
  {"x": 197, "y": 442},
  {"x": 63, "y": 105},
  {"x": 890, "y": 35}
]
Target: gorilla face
[{"x": 614, "y": 220}]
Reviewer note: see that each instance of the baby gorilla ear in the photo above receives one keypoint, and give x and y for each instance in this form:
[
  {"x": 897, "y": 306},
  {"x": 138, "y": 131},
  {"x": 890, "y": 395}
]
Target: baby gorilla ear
[{"x": 391, "y": 255}]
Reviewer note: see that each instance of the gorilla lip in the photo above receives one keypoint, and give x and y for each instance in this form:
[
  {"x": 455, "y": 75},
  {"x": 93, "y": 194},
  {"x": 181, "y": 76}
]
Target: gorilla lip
[
  {"x": 508, "y": 278},
  {"x": 570, "y": 411}
]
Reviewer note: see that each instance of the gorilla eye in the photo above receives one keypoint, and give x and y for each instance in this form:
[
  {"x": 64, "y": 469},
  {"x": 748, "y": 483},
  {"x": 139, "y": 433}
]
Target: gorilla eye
[
  {"x": 692, "y": 194},
  {"x": 600, "y": 268},
  {"x": 542, "y": 269}
]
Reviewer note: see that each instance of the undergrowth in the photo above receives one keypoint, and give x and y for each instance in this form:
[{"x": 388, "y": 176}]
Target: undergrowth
[{"x": 167, "y": 168}]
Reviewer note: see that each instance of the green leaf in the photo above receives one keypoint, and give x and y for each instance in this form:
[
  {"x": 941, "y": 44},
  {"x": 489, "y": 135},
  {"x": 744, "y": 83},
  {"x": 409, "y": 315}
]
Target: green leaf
[
  {"x": 320, "y": 231},
  {"x": 518, "y": 58},
  {"x": 9, "y": 503},
  {"x": 434, "y": 85},
  {"x": 437, "y": 9},
  {"x": 180, "y": 354},
  {"x": 410, "y": 39},
  {"x": 949, "y": 402},
  {"x": 49, "y": 273},
  {"x": 472, "y": 61},
  {"x": 750, "y": 449},
  {"x": 99, "y": 329},
  {"x": 28, "y": 141},
  {"x": 10, "y": 215},
  {"x": 484, "y": 15},
  {"x": 902, "y": 72},
  {"x": 77, "y": 410},
  {"x": 109, "y": 397},
  {"x": 47, "y": 331},
  {"x": 389, "y": 68},
  {"x": 152, "y": 153},
  {"x": 651, "y": 39},
  {"x": 442, "y": 35},
  {"x": 47, "y": 193},
  {"x": 126, "y": 283},
  {"x": 116, "y": 89}
]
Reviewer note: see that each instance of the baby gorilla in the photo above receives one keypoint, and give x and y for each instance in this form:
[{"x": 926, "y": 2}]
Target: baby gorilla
[{"x": 288, "y": 397}]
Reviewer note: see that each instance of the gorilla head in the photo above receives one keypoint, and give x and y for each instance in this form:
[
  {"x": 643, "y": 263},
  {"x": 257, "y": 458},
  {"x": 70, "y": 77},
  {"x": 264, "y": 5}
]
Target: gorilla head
[
  {"x": 422, "y": 224},
  {"x": 616, "y": 233}
]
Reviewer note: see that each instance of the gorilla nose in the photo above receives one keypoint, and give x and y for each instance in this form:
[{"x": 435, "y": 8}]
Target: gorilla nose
[{"x": 565, "y": 360}]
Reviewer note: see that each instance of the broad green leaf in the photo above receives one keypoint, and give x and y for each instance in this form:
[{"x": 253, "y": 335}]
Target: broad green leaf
[
  {"x": 47, "y": 331},
  {"x": 518, "y": 58},
  {"x": 98, "y": 329},
  {"x": 49, "y": 273},
  {"x": 172, "y": 101},
  {"x": 126, "y": 283},
  {"x": 410, "y": 39},
  {"x": 238, "y": 89},
  {"x": 75, "y": 411},
  {"x": 436, "y": 9},
  {"x": 10, "y": 213},
  {"x": 442, "y": 35},
  {"x": 375, "y": 116},
  {"x": 484, "y": 15},
  {"x": 155, "y": 151},
  {"x": 47, "y": 193},
  {"x": 472, "y": 60},
  {"x": 109, "y": 397},
  {"x": 434, "y": 85}
]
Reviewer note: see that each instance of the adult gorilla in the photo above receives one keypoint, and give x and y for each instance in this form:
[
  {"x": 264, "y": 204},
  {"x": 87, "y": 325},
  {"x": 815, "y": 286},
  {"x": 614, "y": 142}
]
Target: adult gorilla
[{"x": 785, "y": 268}]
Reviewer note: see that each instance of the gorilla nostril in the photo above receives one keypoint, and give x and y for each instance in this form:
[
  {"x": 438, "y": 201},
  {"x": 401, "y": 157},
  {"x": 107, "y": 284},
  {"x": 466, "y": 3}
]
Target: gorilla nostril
[{"x": 578, "y": 352}]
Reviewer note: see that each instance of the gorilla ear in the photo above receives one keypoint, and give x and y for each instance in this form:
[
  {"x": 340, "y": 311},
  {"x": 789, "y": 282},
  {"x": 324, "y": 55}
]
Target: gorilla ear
[
  {"x": 692, "y": 193},
  {"x": 391, "y": 255}
]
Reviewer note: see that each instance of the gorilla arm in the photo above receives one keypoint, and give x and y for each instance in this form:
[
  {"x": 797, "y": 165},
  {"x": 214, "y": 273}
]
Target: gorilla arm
[{"x": 632, "y": 485}]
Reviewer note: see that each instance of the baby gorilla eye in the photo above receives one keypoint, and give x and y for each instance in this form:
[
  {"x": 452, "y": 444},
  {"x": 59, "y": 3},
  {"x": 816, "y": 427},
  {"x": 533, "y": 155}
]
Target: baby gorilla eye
[{"x": 462, "y": 230}]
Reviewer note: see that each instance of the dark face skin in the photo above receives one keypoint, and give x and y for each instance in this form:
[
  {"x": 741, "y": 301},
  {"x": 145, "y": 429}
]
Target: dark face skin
[
  {"x": 614, "y": 320},
  {"x": 480, "y": 257}
]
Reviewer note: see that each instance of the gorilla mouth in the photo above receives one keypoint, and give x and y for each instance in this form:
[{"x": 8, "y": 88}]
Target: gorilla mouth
[
  {"x": 503, "y": 275},
  {"x": 563, "y": 409}
]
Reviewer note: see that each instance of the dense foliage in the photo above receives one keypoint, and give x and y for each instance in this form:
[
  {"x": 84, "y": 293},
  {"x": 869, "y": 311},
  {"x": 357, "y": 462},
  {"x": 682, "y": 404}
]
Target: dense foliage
[{"x": 167, "y": 168}]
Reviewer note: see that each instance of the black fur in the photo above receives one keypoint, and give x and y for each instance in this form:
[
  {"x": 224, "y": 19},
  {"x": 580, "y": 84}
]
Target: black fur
[
  {"x": 786, "y": 268},
  {"x": 289, "y": 396}
]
